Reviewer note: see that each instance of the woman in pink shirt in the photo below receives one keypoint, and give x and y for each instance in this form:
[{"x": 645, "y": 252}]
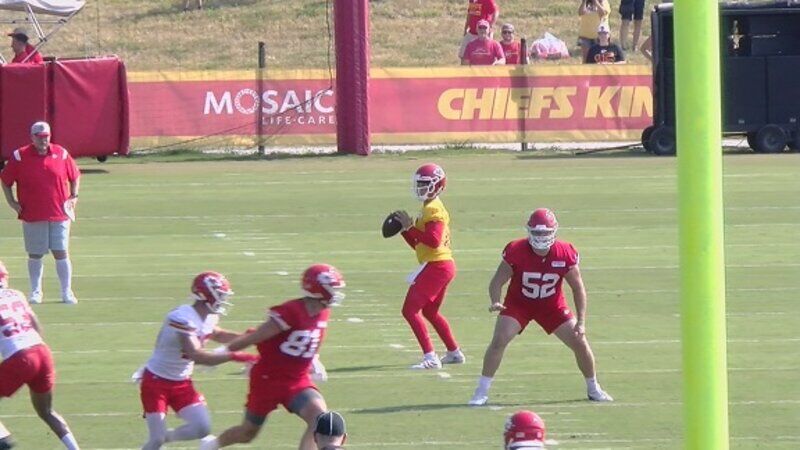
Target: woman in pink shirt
[{"x": 483, "y": 51}]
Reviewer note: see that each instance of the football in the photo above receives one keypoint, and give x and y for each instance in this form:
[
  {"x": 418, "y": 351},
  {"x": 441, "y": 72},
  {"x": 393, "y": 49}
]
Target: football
[{"x": 391, "y": 226}]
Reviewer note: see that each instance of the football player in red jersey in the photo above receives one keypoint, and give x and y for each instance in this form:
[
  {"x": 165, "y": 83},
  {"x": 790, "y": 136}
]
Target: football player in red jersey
[
  {"x": 537, "y": 267},
  {"x": 524, "y": 430},
  {"x": 26, "y": 359},
  {"x": 288, "y": 342}
]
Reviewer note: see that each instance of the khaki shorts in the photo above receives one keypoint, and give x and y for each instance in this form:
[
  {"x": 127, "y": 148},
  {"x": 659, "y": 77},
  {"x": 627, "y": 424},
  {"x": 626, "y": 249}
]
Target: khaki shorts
[{"x": 41, "y": 237}]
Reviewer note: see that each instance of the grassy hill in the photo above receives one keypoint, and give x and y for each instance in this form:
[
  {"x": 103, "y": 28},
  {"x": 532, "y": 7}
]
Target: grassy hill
[{"x": 158, "y": 34}]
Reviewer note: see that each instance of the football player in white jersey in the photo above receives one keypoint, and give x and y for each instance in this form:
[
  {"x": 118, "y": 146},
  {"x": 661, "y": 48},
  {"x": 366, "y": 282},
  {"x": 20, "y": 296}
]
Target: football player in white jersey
[
  {"x": 166, "y": 377},
  {"x": 27, "y": 360}
]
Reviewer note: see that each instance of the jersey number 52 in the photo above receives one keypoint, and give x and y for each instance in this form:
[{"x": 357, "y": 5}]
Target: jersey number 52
[
  {"x": 301, "y": 343},
  {"x": 537, "y": 286}
]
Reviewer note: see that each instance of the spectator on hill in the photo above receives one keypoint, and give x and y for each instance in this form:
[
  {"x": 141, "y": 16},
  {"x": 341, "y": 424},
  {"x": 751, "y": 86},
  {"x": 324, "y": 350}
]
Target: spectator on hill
[
  {"x": 592, "y": 14},
  {"x": 605, "y": 52},
  {"x": 329, "y": 431},
  {"x": 186, "y": 5},
  {"x": 483, "y": 51},
  {"x": 23, "y": 51},
  {"x": 631, "y": 10},
  {"x": 511, "y": 46},
  {"x": 478, "y": 10}
]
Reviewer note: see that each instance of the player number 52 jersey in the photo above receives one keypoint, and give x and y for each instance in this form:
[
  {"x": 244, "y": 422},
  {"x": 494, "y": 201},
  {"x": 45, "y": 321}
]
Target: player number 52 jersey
[
  {"x": 288, "y": 355},
  {"x": 16, "y": 323},
  {"x": 168, "y": 360},
  {"x": 537, "y": 280}
]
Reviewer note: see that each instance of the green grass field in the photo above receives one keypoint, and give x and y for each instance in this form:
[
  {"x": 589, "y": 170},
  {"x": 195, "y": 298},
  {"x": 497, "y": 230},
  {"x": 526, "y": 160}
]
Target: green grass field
[{"x": 146, "y": 226}]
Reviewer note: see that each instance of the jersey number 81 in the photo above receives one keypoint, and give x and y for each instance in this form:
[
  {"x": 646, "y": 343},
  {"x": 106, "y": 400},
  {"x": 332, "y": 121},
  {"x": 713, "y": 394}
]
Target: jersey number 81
[{"x": 301, "y": 343}]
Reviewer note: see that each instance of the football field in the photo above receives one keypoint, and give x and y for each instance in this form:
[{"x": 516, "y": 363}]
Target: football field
[{"x": 147, "y": 226}]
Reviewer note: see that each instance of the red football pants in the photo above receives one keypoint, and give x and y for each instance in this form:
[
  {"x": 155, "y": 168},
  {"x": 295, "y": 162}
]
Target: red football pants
[{"x": 424, "y": 298}]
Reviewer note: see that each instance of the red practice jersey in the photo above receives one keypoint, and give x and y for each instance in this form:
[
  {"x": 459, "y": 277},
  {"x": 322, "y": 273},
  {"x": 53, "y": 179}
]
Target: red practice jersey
[
  {"x": 288, "y": 355},
  {"x": 537, "y": 280}
]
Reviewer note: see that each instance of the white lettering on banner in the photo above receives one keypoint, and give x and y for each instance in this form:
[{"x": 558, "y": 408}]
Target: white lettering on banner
[
  {"x": 247, "y": 101},
  {"x": 223, "y": 104}
]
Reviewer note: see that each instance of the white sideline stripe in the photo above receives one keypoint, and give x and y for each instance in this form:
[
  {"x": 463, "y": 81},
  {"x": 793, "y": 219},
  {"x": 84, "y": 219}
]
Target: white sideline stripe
[
  {"x": 241, "y": 217},
  {"x": 287, "y": 251},
  {"x": 470, "y": 378},
  {"x": 403, "y": 181},
  {"x": 488, "y": 269},
  {"x": 461, "y": 295},
  {"x": 373, "y": 232},
  {"x": 586, "y": 404}
]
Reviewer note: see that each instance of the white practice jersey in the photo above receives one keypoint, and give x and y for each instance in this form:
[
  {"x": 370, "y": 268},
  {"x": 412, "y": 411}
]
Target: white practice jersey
[
  {"x": 16, "y": 323},
  {"x": 167, "y": 360}
]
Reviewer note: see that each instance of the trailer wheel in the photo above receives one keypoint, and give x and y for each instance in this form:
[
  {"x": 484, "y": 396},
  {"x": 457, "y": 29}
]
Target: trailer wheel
[
  {"x": 662, "y": 141},
  {"x": 770, "y": 139}
]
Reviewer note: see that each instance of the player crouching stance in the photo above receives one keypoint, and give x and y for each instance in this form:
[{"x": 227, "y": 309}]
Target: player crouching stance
[
  {"x": 288, "y": 342},
  {"x": 166, "y": 378},
  {"x": 27, "y": 360},
  {"x": 537, "y": 267},
  {"x": 429, "y": 236}
]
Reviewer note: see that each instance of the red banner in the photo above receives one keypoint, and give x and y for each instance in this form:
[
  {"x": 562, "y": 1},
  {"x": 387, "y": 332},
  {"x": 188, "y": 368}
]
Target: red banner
[{"x": 438, "y": 105}]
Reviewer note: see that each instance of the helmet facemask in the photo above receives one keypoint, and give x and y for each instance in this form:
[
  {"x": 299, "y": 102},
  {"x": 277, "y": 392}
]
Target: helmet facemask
[{"x": 541, "y": 237}]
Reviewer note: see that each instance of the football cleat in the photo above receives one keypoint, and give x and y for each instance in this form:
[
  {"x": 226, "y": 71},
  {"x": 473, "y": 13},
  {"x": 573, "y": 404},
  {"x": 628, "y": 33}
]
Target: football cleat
[
  {"x": 478, "y": 399},
  {"x": 524, "y": 430},
  {"x": 69, "y": 298},
  {"x": 213, "y": 289},
  {"x": 209, "y": 443},
  {"x": 428, "y": 182},
  {"x": 428, "y": 363},
  {"x": 454, "y": 357},
  {"x": 7, "y": 443},
  {"x": 323, "y": 282},
  {"x": 35, "y": 297},
  {"x": 542, "y": 227},
  {"x": 600, "y": 396}
]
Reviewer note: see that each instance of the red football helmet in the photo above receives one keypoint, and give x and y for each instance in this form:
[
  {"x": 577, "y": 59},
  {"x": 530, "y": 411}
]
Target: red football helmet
[
  {"x": 3, "y": 276},
  {"x": 542, "y": 227},
  {"x": 428, "y": 182},
  {"x": 325, "y": 283},
  {"x": 213, "y": 289},
  {"x": 524, "y": 430}
]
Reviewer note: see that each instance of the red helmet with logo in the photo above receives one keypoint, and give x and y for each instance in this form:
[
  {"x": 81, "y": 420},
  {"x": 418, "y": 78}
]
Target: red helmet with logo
[
  {"x": 3, "y": 276},
  {"x": 323, "y": 282},
  {"x": 524, "y": 430},
  {"x": 428, "y": 182},
  {"x": 542, "y": 227},
  {"x": 213, "y": 289}
]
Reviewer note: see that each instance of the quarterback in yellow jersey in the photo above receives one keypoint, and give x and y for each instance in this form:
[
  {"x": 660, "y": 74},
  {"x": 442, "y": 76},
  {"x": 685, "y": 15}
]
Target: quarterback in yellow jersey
[{"x": 429, "y": 236}]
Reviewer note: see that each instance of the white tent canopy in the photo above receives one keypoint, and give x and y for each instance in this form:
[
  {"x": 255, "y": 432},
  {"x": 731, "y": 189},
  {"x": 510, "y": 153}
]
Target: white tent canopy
[
  {"x": 64, "y": 9},
  {"x": 52, "y": 7}
]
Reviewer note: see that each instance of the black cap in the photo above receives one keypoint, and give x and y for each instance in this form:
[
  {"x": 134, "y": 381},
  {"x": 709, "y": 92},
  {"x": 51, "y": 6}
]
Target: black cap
[{"x": 330, "y": 423}]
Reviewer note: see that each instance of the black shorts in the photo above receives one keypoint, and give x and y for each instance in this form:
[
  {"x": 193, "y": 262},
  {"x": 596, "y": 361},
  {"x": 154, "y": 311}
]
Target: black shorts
[{"x": 631, "y": 9}]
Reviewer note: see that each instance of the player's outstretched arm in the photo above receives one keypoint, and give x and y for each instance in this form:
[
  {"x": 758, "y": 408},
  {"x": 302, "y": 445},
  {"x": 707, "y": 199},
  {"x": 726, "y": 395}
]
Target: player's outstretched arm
[
  {"x": 224, "y": 336},
  {"x": 191, "y": 348},
  {"x": 575, "y": 282},
  {"x": 501, "y": 276},
  {"x": 267, "y": 330}
]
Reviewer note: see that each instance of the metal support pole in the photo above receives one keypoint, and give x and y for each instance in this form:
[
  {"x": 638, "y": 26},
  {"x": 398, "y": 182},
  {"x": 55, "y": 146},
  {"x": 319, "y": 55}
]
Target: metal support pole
[
  {"x": 262, "y": 64},
  {"x": 523, "y": 59}
]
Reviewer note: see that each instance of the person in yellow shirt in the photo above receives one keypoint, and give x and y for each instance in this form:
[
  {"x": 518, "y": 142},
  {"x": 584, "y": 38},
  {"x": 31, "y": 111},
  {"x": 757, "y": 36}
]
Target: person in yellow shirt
[
  {"x": 429, "y": 236},
  {"x": 592, "y": 14}
]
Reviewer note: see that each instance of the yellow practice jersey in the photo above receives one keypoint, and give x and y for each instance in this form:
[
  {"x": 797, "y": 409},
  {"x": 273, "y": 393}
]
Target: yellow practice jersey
[{"x": 434, "y": 211}]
